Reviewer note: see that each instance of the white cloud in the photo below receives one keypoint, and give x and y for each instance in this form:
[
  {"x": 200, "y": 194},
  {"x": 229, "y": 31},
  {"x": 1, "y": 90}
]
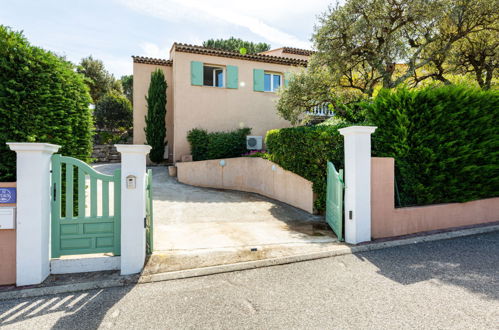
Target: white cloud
[
  {"x": 261, "y": 17},
  {"x": 150, "y": 49}
]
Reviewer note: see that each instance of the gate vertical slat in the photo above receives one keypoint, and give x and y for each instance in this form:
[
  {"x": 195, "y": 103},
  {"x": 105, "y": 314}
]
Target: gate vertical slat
[
  {"x": 81, "y": 194},
  {"x": 117, "y": 212},
  {"x": 105, "y": 199},
  {"x": 55, "y": 205},
  {"x": 334, "y": 200},
  {"x": 84, "y": 233},
  {"x": 69, "y": 191},
  {"x": 93, "y": 197}
]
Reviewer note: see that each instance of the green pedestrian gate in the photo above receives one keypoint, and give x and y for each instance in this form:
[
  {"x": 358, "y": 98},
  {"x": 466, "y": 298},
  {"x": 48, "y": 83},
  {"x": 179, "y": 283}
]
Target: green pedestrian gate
[
  {"x": 149, "y": 214},
  {"x": 84, "y": 222},
  {"x": 334, "y": 200}
]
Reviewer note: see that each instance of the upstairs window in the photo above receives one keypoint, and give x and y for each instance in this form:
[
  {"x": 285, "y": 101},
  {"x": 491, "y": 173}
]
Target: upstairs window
[
  {"x": 213, "y": 76},
  {"x": 271, "y": 81}
]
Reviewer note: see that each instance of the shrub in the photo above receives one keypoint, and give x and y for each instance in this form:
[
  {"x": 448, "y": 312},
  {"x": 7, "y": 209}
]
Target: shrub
[
  {"x": 156, "y": 113},
  {"x": 305, "y": 151},
  {"x": 42, "y": 99},
  {"x": 217, "y": 145},
  {"x": 113, "y": 112},
  {"x": 444, "y": 140}
]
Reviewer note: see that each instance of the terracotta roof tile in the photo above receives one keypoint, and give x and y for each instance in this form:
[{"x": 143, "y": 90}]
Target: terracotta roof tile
[
  {"x": 185, "y": 48},
  {"x": 297, "y": 51},
  {"x": 149, "y": 60}
]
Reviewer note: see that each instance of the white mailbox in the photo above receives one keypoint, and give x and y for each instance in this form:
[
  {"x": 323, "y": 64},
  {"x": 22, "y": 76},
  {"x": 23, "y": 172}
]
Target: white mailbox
[{"x": 7, "y": 218}]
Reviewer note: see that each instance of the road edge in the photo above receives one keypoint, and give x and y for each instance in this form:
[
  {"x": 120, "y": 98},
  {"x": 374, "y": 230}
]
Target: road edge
[{"x": 182, "y": 274}]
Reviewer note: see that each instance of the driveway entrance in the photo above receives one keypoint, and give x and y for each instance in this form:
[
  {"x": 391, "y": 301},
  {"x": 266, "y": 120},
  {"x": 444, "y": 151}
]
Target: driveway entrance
[{"x": 198, "y": 227}]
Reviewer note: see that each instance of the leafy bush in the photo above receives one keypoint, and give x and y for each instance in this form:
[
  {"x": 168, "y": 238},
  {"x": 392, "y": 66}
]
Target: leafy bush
[
  {"x": 444, "y": 140},
  {"x": 42, "y": 99},
  {"x": 305, "y": 150},
  {"x": 156, "y": 113},
  {"x": 113, "y": 111},
  {"x": 217, "y": 145}
]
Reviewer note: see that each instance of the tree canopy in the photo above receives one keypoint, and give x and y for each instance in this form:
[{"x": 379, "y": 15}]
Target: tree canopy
[
  {"x": 98, "y": 79},
  {"x": 113, "y": 111},
  {"x": 364, "y": 45},
  {"x": 237, "y": 45}
]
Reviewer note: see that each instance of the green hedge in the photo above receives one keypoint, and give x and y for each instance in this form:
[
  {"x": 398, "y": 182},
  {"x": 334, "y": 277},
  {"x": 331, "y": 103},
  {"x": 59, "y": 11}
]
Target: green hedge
[
  {"x": 217, "y": 145},
  {"x": 445, "y": 142},
  {"x": 305, "y": 151},
  {"x": 42, "y": 99}
]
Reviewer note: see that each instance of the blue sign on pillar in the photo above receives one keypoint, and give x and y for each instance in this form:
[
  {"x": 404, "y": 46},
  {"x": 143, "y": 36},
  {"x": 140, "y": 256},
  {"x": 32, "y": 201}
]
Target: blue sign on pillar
[{"x": 7, "y": 195}]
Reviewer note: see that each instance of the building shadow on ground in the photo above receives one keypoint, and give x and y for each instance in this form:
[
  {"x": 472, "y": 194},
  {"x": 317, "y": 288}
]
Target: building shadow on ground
[
  {"x": 84, "y": 309},
  {"x": 469, "y": 262}
]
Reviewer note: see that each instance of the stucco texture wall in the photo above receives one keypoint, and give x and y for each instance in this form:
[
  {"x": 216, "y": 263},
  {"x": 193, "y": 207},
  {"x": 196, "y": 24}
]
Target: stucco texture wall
[
  {"x": 388, "y": 221},
  {"x": 221, "y": 109},
  {"x": 141, "y": 80},
  {"x": 7, "y": 249},
  {"x": 250, "y": 174}
]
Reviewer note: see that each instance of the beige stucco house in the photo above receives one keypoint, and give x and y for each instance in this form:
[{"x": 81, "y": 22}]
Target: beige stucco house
[{"x": 216, "y": 90}]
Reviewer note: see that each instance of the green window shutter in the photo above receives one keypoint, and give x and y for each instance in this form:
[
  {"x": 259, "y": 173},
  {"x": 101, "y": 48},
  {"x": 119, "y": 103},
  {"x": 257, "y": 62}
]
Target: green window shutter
[
  {"x": 258, "y": 77},
  {"x": 232, "y": 76},
  {"x": 196, "y": 73}
]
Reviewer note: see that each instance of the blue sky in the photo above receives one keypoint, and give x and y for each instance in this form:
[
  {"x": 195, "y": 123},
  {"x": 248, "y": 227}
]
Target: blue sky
[{"x": 113, "y": 30}]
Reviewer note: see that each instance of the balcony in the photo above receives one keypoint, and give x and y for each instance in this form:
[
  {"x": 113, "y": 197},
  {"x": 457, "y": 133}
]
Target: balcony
[{"x": 322, "y": 110}]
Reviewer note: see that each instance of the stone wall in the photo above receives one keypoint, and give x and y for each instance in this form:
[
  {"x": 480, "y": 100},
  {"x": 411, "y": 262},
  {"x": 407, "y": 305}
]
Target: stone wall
[{"x": 106, "y": 153}]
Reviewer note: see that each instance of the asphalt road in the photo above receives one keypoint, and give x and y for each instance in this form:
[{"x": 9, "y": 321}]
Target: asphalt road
[{"x": 450, "y": 284}]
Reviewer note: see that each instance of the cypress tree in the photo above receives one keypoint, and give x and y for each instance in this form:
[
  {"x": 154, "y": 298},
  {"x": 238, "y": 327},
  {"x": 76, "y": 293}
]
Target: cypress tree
[{"x": 155, "y": 119}]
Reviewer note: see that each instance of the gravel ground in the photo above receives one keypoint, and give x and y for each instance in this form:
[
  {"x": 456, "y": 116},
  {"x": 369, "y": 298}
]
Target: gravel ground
[{"x": 449, "y": 284}]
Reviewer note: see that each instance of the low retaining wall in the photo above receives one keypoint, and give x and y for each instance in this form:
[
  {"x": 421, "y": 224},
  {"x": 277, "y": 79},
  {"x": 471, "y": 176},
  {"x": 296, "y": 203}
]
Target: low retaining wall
[
  {"x": 106, "y": 153},
  {"x": 7, "y": 248},
  {"x": 250, "y": 174},
  {"x": 388, "y": 221}
]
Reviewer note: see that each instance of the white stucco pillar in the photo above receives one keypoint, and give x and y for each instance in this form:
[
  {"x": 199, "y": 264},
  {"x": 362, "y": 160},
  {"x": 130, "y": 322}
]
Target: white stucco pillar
[
  {"x": 33, "y": 211},
  {"x": 133, "y": 211},
  {"x": 357, "y": 183}
]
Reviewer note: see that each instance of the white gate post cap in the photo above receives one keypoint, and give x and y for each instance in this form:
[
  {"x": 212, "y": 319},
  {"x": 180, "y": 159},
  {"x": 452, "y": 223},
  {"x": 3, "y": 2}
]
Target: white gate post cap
[
  {"x": 357, "y": 130},
  {"x": 27, "y": 146},
  {"x": 133, "y": 148}
]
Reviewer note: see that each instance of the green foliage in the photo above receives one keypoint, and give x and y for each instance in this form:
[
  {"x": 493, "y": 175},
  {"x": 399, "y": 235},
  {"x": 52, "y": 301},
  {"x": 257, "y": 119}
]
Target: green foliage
[
  {"x": 156, "y": 113},
  {"x": 305, "y": 150},
  {"x": 217, "y": 145},
  {"x": 42, "y": 99},
  {"x": 127, "y": 84},
  {"x": 237, "y": 45},
  {"x": 113, "y": 111},
  {"x": 99, "y": 81},
  {"x": 444, "y": 140},
  {"x": 369, "y": 42}
]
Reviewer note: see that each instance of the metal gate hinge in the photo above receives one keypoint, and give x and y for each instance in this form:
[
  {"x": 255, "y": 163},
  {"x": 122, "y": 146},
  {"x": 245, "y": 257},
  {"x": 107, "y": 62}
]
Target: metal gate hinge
[{"x": 145, "y": 222}]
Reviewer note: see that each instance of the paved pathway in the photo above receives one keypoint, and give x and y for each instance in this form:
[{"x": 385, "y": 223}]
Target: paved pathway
[
  {"x": 188, "y": 218},
  {"x": 449, "y": 284}
]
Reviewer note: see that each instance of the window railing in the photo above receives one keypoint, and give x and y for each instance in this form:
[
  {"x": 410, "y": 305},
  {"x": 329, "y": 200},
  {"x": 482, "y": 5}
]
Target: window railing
[{"x": 322, "y": 110}]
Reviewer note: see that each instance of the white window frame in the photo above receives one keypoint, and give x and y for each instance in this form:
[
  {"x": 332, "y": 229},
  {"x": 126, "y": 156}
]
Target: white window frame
[
  {"x": 215, "y": 66},
  {"x": 272, "y": 74}
]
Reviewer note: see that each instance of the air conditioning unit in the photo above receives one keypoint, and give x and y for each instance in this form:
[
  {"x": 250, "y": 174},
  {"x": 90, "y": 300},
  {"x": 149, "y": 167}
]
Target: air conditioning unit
[{"x": 254, "y": 142}]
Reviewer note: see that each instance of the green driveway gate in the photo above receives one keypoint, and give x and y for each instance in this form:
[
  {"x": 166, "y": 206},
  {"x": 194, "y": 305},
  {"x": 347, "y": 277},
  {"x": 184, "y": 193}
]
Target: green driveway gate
[
  {"x": 334, "y": 200},
  {"x": 82, "y": 225},
  {"x": 149, "y": 214}
]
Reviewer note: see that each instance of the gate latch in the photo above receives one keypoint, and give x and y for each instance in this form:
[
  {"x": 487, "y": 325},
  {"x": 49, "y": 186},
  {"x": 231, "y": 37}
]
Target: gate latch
[{"x": 350, "y": 214}]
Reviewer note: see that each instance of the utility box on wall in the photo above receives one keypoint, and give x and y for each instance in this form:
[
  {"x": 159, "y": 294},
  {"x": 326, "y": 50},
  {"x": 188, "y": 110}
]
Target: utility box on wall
[{"x": 7, "y": 218}]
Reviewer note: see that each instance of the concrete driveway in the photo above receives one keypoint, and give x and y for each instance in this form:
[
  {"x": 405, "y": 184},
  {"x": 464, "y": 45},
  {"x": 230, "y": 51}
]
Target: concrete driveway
[
  {"x": 196, "y": 227},
  {"x": 199, "y": 227}
]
